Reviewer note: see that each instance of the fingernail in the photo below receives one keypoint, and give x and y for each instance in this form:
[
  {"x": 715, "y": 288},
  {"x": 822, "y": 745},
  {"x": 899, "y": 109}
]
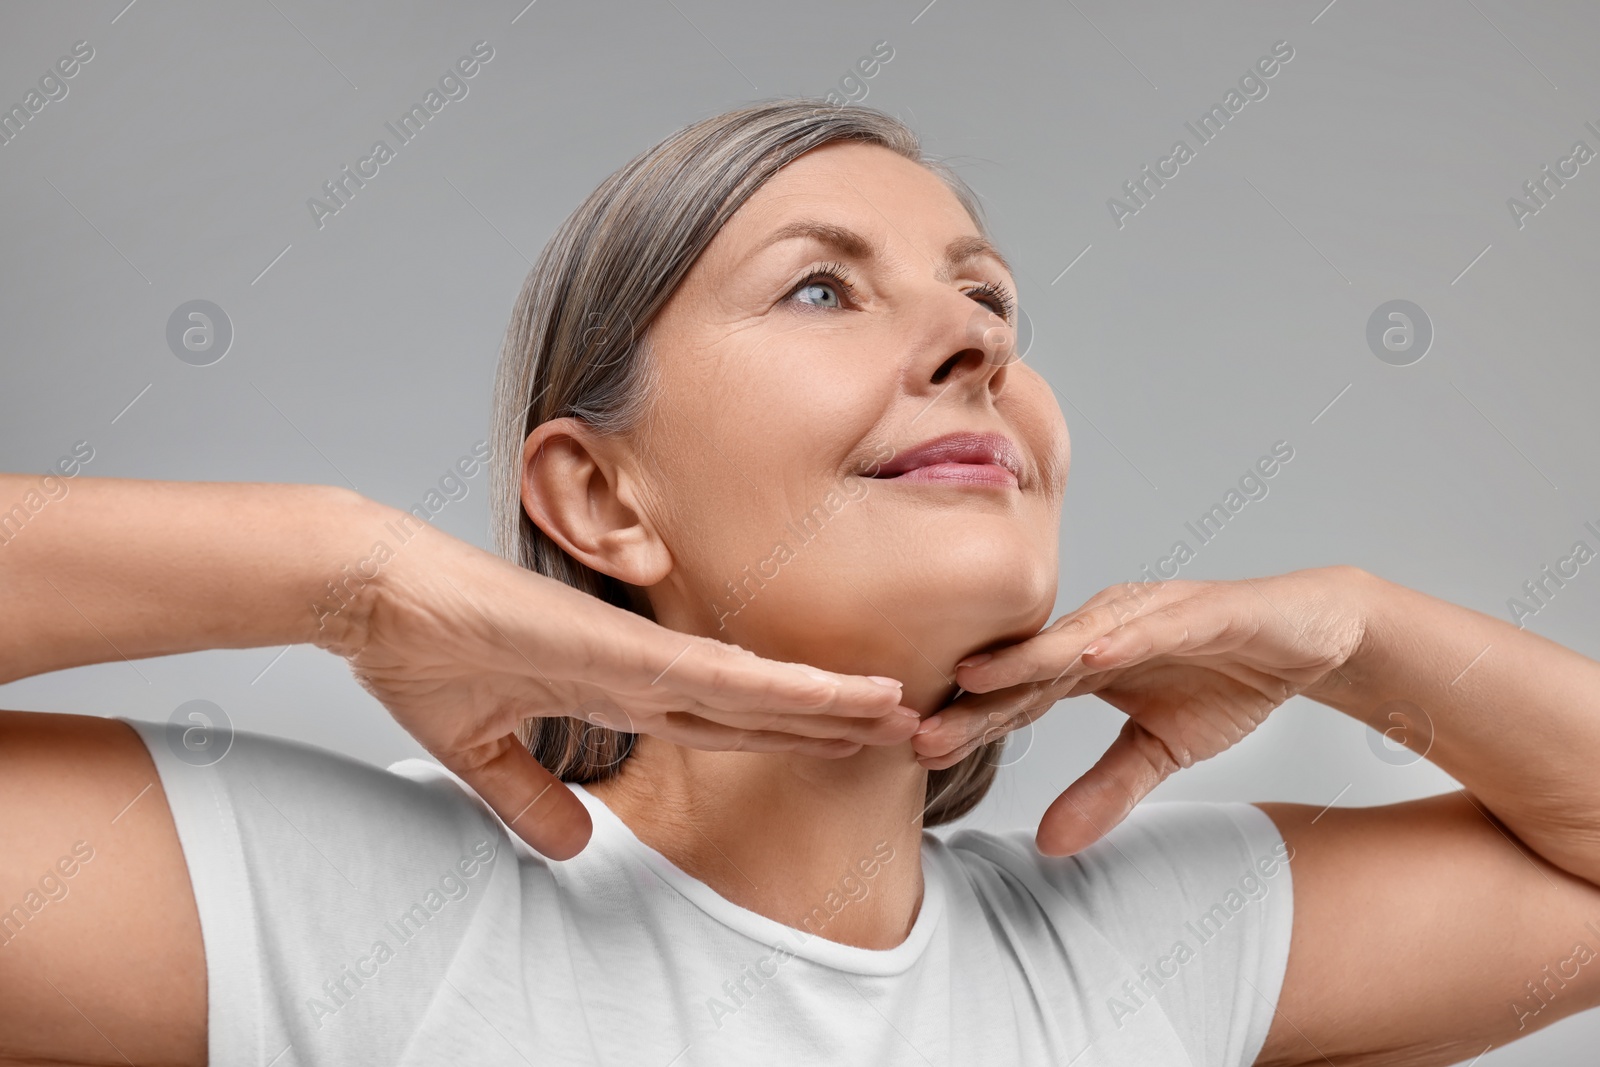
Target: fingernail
[
  {"x": 930, "y": 724},
  {"x": 911, "y": 713},
  {"x": 977, "y": 660},
  {"x": 881, "y": 680},
  {"x": 1093, "y": 650}
]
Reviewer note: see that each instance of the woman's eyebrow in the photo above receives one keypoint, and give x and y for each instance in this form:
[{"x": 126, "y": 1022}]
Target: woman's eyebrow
[
  {"x": 856, "y": 246},
  {"x": 963, "y": 249}
]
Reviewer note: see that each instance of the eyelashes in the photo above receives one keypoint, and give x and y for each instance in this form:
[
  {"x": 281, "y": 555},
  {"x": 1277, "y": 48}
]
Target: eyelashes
[
  {"x": 1000, "y": 295},
  {"x": 838, "y": 275}
]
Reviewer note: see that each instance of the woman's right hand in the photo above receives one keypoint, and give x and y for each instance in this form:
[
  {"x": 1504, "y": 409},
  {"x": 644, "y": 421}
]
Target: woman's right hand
[{"x": 460, "y": 646}]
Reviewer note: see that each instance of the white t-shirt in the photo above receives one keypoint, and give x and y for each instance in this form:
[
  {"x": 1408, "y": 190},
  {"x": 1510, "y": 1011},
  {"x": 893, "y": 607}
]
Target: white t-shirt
[{"x": 353, "y": 915}]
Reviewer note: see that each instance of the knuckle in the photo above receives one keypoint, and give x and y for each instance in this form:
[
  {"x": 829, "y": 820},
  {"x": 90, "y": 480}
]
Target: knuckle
[
  {"x": 1162, "y": 757},
  {"x": 993, "y": 733},
  {"x": 718, "y": 676},
  {"x": 1075, "y": 623},
  {"x": 816, "y": 695},
  {"x": 722, "y": 648}
]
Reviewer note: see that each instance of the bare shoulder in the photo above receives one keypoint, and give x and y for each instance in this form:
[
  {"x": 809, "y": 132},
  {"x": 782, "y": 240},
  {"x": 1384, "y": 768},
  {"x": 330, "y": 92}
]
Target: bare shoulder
[
  {"x": 101, "y": 959},
  {"x": 1424, "y": 932}
]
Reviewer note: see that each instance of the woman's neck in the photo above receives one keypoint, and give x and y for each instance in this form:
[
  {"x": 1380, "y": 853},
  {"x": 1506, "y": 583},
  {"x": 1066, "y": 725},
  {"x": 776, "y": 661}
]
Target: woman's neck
[{"x": 829, "y": 846}]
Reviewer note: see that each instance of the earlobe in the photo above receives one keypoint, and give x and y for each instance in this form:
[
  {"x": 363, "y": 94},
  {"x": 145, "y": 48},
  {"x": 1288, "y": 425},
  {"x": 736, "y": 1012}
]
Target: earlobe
[{"x": 577, "y": 488}]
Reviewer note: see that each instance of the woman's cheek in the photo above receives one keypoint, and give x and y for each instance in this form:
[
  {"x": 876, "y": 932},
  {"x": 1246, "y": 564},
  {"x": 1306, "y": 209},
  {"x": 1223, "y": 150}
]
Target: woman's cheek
[{"x": 1038, "y": 418}]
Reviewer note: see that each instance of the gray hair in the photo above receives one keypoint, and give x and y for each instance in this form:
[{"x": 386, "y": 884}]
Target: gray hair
[{"x": 578, "y": 346}]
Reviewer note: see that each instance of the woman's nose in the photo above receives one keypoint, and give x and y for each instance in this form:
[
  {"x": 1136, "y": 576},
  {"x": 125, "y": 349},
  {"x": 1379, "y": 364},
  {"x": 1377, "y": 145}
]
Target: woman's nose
[{"x": 984, "y": 346}]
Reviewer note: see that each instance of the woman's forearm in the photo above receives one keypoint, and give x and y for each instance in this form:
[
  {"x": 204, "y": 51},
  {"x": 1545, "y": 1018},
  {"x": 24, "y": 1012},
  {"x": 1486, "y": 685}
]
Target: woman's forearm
[
  {"x": 1512, "y": 716},
  {"x": 121, "y": 568}
]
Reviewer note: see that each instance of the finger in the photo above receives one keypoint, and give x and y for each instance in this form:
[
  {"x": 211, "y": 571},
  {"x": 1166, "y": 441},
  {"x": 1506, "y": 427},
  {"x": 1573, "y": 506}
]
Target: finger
[
  {"x": 1054, "y": 653},
  {"x": 945, "y": 737},
  {"x": 1167, "y": 621},
  {"x": 693, "y": 732},
  {"x": 993, "y": 731},
  {"x": 1184, "y": 628},
  {"x": 888, "y": 729},
  {"x": 727, "y": 677},
  {"x": 891, "y": 728},
  {"x": 1136, "y": 763},
  {"x": 530, "y": 800}
]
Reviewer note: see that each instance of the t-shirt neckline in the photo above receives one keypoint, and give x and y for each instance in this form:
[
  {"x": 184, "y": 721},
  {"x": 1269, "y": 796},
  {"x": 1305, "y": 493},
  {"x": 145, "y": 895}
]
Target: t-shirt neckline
[{"x": 801, "y": 943}]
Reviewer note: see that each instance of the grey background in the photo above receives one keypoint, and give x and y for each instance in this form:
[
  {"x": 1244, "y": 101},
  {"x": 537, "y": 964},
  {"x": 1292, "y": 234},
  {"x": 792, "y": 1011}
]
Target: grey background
[{"x": 1228, "y": 314}]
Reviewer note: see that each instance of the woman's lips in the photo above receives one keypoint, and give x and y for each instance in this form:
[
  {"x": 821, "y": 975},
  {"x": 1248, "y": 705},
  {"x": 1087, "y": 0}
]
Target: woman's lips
[
  {"x": 969, "y": 473},
  {"x": 957, "y": 459}
]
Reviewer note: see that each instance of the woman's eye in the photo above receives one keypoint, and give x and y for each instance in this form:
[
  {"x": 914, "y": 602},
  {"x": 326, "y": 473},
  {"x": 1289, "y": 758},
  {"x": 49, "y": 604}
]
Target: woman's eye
[
  {"x": 819, "y": 294},
  {"x": 827, "y": 286}
]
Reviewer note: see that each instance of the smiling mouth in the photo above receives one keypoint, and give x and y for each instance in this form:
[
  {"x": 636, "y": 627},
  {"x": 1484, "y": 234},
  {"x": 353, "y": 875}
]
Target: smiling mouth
[{"x": 981, "y": 459}]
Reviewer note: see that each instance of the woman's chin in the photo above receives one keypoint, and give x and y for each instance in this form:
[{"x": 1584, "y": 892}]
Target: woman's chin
[
  {"x": 909, "y": 615},
  {"x": 917, "y": 640}
]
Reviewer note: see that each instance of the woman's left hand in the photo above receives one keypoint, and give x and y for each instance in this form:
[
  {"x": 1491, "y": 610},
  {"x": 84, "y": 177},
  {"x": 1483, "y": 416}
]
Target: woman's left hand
[{"x": 1195, "y": 665}]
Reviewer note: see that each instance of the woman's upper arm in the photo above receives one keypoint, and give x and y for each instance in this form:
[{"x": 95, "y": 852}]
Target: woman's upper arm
[
  {"x": 1424, "y": 932},
  {"x": 101, "y": 959}
]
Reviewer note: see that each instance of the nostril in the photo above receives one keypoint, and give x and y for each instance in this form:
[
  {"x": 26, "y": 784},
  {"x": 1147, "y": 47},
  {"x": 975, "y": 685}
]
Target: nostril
[{"x": 946, "y": 367}]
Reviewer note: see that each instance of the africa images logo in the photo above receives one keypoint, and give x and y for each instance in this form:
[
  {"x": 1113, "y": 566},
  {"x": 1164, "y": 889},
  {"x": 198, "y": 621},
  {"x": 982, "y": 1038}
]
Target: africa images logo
[{"x": 1250, "y": 888}]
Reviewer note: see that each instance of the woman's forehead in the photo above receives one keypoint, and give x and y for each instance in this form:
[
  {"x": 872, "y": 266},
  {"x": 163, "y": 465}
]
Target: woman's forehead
[{"x": 864, "y": 201}]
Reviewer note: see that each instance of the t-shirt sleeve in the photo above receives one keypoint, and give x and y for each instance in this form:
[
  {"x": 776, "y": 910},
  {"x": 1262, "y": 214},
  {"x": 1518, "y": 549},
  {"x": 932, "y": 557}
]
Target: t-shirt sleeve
[
  {"x": 332, "y": 894},
  {"x": 1197, "y": 900}
]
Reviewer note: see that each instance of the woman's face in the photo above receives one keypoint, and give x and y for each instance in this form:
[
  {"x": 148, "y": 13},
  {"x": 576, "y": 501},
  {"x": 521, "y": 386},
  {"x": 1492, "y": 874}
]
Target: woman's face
[{"x": 783, "y": 397}]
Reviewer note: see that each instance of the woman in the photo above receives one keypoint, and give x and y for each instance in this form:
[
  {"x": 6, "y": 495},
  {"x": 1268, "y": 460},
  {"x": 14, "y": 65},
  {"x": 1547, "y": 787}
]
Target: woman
[{"x": 760, "y": 391}]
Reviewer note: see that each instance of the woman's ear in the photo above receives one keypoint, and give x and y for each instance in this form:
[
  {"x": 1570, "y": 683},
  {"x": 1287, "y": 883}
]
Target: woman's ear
[{"x": 574, "y": 489}]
